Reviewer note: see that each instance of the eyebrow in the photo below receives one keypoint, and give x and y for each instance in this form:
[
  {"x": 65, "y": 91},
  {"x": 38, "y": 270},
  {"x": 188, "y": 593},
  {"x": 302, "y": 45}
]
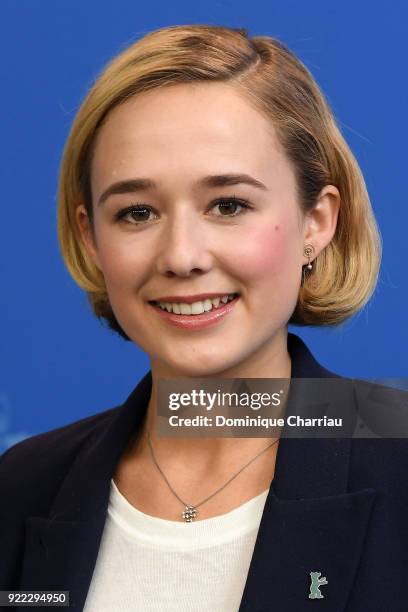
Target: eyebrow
[{"x": 216, "y": 180}]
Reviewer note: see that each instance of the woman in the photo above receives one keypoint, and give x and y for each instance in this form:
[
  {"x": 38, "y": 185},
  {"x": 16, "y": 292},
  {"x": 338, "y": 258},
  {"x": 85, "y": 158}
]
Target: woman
[{"x": 207, "y": 199}]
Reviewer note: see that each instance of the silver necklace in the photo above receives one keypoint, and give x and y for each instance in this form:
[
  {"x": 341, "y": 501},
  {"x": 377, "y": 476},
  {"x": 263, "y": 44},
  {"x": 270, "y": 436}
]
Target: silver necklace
[{"x": 190, "y": 512}]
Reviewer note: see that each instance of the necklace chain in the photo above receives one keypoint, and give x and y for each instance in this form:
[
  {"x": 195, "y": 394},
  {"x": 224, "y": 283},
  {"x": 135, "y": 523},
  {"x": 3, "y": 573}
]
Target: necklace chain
[{"x": 190, "y": 511}]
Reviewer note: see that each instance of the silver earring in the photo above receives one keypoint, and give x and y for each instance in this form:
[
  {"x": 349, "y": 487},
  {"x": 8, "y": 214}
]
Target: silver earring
[{"x": 308, "y": 251}]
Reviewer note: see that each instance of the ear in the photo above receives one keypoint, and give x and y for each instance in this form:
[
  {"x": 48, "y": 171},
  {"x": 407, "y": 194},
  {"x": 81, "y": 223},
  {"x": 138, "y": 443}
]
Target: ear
[
  {"x": 87, "y": 234},
  {"x": 320, "y": 223}
]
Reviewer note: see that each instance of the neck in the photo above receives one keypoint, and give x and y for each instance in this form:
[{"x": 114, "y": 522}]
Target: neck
[{"x": 211, "y": 452}]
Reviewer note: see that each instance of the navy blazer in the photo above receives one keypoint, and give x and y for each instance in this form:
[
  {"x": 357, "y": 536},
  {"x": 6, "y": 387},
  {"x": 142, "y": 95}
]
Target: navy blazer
[{"x": 338, "y": 506}]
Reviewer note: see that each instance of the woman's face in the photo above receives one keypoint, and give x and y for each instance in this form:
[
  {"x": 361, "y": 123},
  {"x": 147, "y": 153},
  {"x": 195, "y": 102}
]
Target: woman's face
[{"x": 181, "y": 241}]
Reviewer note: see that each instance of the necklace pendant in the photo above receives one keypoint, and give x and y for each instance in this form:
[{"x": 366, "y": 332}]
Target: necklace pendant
[{"x": 189, "y": 514}]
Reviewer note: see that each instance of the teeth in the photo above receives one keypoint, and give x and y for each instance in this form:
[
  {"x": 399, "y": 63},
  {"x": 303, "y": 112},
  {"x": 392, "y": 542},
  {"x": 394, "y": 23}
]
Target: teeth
[
  {"x": 196, "y": 307},
  {"x": 185, "y": 309},
  {"x": 207, "y": 305}
]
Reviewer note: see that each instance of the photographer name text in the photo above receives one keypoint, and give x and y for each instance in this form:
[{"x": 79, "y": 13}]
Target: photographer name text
[{"x": 247, "y": 421}]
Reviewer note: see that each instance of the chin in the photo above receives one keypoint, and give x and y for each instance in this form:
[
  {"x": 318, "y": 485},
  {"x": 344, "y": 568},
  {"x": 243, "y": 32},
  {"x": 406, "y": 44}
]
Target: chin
[{"x": 199, "y": 370}]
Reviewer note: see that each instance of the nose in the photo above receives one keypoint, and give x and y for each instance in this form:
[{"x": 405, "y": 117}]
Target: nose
[{"x": 184, "y": 246}]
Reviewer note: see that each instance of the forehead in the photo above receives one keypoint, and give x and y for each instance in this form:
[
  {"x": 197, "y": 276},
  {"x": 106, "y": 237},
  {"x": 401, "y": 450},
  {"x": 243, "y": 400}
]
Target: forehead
[{"x": 186, "y": 129}]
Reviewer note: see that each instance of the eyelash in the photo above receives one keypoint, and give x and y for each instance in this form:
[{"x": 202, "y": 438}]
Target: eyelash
[{"x": 121, "y": 214}]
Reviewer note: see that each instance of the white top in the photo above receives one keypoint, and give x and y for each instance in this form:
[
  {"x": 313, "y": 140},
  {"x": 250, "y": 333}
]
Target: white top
[{"x": 155, "y": 565}]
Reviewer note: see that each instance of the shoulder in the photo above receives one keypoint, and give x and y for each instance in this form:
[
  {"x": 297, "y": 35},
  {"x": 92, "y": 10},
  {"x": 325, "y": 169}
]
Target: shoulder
[
  {"x": 379, "y": 449},
  {"x": 31, "y": 470},
  {"x": 382, "y": 410},
  {"x": 61, "y": 440}
]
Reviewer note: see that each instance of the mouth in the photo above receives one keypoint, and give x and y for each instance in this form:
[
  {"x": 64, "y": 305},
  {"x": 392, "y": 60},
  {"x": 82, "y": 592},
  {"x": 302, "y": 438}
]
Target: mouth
[
  {"x": 196, "y": 308},
  {"x": 196, "y": 315}
]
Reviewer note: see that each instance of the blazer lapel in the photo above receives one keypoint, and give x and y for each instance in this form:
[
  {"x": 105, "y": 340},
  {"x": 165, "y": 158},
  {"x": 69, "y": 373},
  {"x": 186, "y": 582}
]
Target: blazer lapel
[
  {"x": 61, "y": 550},
  {"x": 60, "y": 556},
  {"x": 310, "y": 522},
  {"x": 319, "y": 530}
]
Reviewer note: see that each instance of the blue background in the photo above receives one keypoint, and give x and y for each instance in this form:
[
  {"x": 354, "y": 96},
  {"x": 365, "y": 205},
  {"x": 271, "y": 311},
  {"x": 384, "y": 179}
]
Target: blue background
[{"x": 58, "y": 363}]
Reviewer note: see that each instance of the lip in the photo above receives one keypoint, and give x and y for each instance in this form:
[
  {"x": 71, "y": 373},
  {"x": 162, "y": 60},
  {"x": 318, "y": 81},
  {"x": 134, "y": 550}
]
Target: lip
[
  {"x": 200, "y": 321},
  {"x": 190, "y": 299}
]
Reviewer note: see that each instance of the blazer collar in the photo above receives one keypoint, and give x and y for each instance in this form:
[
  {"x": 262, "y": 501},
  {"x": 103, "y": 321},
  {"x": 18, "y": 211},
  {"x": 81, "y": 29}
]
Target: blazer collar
[{"x": 310, "y": 522}]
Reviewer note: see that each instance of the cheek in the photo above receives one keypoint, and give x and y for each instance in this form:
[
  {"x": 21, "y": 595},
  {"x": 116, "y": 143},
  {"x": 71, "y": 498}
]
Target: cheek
[
  {"x": 266, "y": 251},
  {"x": 123, "y": 263}
]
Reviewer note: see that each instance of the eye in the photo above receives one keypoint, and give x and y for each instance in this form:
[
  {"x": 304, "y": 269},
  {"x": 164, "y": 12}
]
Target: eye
[
  {"x": 138, "y": 212},
  {"x": 230, "y": 205}
]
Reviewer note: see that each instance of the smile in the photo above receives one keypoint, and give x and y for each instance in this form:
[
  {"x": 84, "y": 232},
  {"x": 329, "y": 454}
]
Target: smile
[
  {"x": 196, "y": 308},
  {"x": 197, "y": 315}
]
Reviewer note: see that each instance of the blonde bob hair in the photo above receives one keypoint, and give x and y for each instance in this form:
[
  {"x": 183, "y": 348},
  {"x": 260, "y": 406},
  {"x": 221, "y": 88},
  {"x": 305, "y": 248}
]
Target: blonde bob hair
[{"x": 275, "y": 81}]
